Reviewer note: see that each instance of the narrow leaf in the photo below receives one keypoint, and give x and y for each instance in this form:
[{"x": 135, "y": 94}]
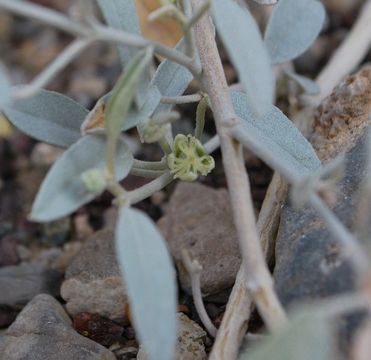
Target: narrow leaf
[
  {"x": 5, "y": 87},
  {"x": 241, "y": 37},
  {"x": 62, "y": 191},
  {"x": 123, "y": 94},
  {"x": 308, "y": 85},
  {"x": 307, "y": 336},
  {"x": 122, "y": 15},
  {"x": 275, "y": 139},
  {"x": 150, "y": 280},
  {"x": 171, "y": 79},
  {"x": 292, "y": 28},
  {"x": 48, "y": 116}
]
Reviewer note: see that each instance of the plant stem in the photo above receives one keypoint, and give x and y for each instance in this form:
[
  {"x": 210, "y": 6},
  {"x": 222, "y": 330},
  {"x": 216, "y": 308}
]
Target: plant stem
[
  {"x": 184, "y": 99},
  {"x": 45, "y": 15},
  {"x": 61, "y": 61},
  {"x": 96, "y": 31},
  {"x": 150, "y": 165},
  {"x": 107, "y": 34},
  {"x": 352, "y": 249},
  {"x": 148, "y": 189},
  {"x": 260, "y": 283},
  {"x": 194, "y": 270}
]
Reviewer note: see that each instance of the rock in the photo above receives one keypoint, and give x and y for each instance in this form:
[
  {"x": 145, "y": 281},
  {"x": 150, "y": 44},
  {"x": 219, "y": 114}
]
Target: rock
[
  {"x": 43, "y": 331},
  {"x": 198, "y": 218},
  {"x": 56, "y": 233},
  {"x": 19, "y": 284},
  {"x": 343, "y": 116},
  {"x": 8, "y": 251},
  {"x": 93, "y": 281},
  {"x": 98, "y": 328},
  {"x": 190, "y": 344},
  {"x": 309, "y": 263}
]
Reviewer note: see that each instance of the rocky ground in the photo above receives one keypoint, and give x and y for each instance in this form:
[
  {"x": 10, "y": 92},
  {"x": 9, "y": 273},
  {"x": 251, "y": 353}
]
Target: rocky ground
[{"x": 61, "y": 293}]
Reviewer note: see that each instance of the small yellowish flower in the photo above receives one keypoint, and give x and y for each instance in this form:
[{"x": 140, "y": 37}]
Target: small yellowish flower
[{"x": 189, "y": 158}]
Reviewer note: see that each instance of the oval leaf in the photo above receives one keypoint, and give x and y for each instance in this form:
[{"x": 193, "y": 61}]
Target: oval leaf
[
  {"x": 307, "y": 336},
  {"x": 150, "y": 280},
  {"x": 5, "y": 87},
  {"x": 122, "y": 15},
  {"x": 292, "y": 28},
  {"x": 275, "y": 139},
  {"x": 308, "y": 85},
  {"x": 62, "y": 191},
  {"x": 241, "y": 37},
  {"x": 48, "y": 116}
]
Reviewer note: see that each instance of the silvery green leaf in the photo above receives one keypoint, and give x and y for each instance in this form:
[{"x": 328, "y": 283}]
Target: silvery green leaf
[
  {"x": 308, "y": 85},
  {"x": 5, "y": 88},
  {"x": 275, "y": 139},
  {"x": 307, "y": 336},
  {"x": 136, "y": 117},
  {"x": 62, "y": 191},
  {"x": 150, "y": 281},
  {"x": 48, "y": 116},
  {"x": 122, "y": 96},
  {"x": 122, "y": 15},
  {"x": 292, "y": 28},
  {"x": 171, "y": 79},
  {"x": 266, "y": 2},
  {"x": 241, "y": 37}
]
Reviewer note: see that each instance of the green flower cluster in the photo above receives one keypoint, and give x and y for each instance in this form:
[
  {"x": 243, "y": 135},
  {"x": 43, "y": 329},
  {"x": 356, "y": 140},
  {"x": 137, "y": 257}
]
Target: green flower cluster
[{"x": 189, "y": 158}]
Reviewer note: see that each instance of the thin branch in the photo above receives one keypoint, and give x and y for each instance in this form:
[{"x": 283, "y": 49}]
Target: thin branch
[
  {"x": 213, "y": 144},
  {"x": 260, "y": 283},
  {"x": 150, "y": 165},
  {"x": 184, "y": 99},
  {"x": 47, "y": 75},
  {"x": 107, "y": 34},
  {"x": 146, "y": 173},
  {"x": 147, "y": 190},
  {"x": 347, "y": 57},
  {"x": 351, "y": 247},
  {"x": 97, "y": 31},
  {"x": 194, "y": 270},
  {"x": 45, "y": 15}
]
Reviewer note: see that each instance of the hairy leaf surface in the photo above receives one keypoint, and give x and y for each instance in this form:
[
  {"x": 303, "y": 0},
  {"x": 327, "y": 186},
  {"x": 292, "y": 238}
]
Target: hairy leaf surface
[
  {"x": 62, "y": 191},
  {"x": 307, "y": 336},
  {"x": 150, "y": 280},
  {"x": 275, "y": 139},
  {"x": 242, "y": 39},
  {"x": 48, "y": 116},
  {"x": 292, "y": 28}
]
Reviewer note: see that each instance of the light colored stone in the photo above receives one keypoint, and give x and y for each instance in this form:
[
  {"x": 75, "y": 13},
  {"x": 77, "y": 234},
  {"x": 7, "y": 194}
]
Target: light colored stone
[
  {"x": 190, "y": 344},
  {"x": 43, "y": 331},
  {"x": 93, "y": 280},
  {"x": 198, "y": 218}
]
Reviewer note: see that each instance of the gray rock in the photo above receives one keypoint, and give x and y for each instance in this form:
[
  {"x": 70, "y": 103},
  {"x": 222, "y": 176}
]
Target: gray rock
[
  {"x": 190, "y": 344},
  {"x": 309, "y": 263},
  {"x": 93, "y": 281},
  {"x": 199, "y": 219},
  {"x": 19, "y": 284},
  {"x": 43, "y": 331}
]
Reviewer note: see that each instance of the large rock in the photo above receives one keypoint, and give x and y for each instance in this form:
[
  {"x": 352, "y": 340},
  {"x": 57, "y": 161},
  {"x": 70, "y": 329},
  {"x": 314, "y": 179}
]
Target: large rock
[
  {"x": 19, "y": 284},
  {"x": 43, "y": 331},
  {"x": 190, "y": 344},
  {"x": 93, "y": 281},
  {"x": 309, "y": 263},
  {"x": 199, "y": 219}
]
